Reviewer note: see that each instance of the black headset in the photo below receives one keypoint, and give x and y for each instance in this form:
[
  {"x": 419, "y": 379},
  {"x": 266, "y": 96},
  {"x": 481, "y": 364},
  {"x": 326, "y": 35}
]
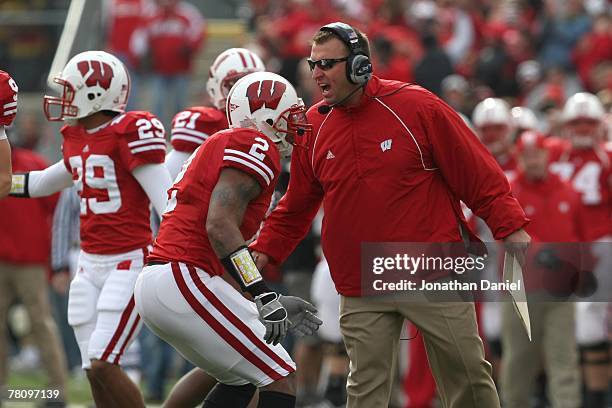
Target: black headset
[{"x": 358, "y": 65}]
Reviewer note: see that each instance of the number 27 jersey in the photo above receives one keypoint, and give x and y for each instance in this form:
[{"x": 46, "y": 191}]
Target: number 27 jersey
[{"x": 182, "y": 234}]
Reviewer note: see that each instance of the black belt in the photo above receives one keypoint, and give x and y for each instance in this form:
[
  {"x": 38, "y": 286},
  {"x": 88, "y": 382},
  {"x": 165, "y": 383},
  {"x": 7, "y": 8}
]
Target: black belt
[{"x": 153, "y": 263}]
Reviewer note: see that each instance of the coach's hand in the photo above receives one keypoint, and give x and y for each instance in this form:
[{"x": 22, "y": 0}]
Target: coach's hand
[
  {"x": 273, "y": 315},
  {"x": 303, "y": 321},
  {"x": 261, "y": 260},
  {"x": 517, "y": 244}
]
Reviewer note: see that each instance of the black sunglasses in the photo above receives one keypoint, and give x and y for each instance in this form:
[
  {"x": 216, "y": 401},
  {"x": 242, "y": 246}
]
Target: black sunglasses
[{"x": 325, "y": 63}]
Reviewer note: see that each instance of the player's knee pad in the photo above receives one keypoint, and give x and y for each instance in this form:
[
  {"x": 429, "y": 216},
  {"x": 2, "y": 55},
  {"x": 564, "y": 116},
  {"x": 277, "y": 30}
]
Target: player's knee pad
[
  {"x": 223, "y": 395},
  {"x": 82, "y": 299},
  {"x": 275, "y": 399}
]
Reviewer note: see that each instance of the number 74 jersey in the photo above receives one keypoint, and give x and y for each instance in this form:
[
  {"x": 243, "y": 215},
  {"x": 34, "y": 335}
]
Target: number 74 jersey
[
  {"x": 589, "y": 171},
  {"x": 115, "y": 215},
  {"x": 182, "y": 234}
]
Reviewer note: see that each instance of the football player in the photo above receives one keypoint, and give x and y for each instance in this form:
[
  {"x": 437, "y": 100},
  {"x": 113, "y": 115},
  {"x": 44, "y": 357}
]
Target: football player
[
  {"x": 523, "y": 119},
  {"x": 191, "y": 127},
  {"x": 217, "y": 203},
  {"x": 493, "y": 123},
  {"x": 586, "y": 163},
  {"x": 8, "y": 110},
  {"x": 116, "y": 161}
]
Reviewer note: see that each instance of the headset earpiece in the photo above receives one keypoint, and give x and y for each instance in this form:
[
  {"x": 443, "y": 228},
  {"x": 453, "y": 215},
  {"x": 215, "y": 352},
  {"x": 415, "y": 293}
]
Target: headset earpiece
[
  {"x": 358, "y": 65},
  {"x": 361, "y": 69}
]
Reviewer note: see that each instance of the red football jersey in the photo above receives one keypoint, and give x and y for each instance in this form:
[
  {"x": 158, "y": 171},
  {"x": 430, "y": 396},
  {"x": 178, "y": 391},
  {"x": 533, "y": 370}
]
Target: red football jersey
[
  {"x": 182, "y": 234},
  {"x": 8, "y": 99},
  {"x": 191, "y": 127},
  {"x": 114, "y": 207},
  {"x": 590, "y": 174}
]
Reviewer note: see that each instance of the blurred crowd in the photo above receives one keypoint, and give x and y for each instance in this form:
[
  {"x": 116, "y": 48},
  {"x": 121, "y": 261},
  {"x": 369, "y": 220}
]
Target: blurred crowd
[{"x": 533, "y": 54}]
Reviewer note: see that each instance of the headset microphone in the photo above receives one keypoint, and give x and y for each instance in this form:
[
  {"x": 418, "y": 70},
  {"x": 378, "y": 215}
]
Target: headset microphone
[{"x": 325, "y": 109}]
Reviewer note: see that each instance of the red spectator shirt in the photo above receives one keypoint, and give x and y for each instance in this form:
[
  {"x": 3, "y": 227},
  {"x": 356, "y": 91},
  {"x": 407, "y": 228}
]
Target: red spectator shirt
[
  {"x": 553, "y": 207},
  {"x": 191, "y": 127},
  {"x": 26, "y": 224},
  {"x": 115, "y": 215},
  {"x": 381, "y": 179},
  {"x": 124, "y": 18},
  {"x": 8, "y": 99},
  {"x": 556, "y": 217},
  {"x": 174, "y": 35},
  {"x": 589, "y": 171},
  {"x": 182, "y": 234}
]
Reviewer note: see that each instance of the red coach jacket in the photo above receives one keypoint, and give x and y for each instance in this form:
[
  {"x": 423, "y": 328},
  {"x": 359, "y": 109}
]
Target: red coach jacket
[
  {"x": 392, "y": 168},
  {"x": 25, "y": 224}
]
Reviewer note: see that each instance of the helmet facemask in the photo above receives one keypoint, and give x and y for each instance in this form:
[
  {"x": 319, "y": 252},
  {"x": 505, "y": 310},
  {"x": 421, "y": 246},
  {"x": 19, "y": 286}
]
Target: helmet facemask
[
  {"x": 290, "y": 127},
  {"x": 66, "y": 108},
  {"x": 584, "y": 133}
]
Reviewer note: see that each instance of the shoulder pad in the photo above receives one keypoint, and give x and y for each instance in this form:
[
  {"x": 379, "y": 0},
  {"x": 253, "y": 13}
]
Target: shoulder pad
[
  {"x": 8, "y": 99},
  {"x": 133, "y": 122}
]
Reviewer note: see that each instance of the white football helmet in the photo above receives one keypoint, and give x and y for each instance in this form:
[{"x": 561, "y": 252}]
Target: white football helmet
[
  {"x": 523, "y": 118},
  {"x": 229, "y": 67},
  {"x": 582, "y": 105},
  {"x": 491, "y": 111},
  {"x": 268, "y": 102},
  {"x": 583, "y": 115},
  {"x": 493, "y": 124},
  {"x": 91, "y": 81}
]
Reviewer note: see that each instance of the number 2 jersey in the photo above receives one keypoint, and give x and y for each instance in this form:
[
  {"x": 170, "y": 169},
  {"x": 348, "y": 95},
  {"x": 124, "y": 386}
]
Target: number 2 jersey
[
  {"x": 191, "y": 127},
  {"x": 182, "y": 234},
  {"x": 115, "y": 216}
]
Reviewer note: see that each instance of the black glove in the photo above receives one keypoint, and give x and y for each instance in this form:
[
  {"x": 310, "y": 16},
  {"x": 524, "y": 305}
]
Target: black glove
[
  {"x": 548, "y": 259},
  {"x": 587, "y": 284},
  {"x": 273, "y": 315}
]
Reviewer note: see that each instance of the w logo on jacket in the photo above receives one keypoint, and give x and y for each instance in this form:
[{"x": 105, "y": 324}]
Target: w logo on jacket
[{"x": 386, "y": 145}]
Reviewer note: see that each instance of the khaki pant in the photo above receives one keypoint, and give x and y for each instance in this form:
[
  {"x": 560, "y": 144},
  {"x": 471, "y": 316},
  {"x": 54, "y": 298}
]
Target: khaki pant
[
  {"x": 371, "y": 330},
  {"x": 553, "y": 347},
  {"x": 29, "y": 284}
]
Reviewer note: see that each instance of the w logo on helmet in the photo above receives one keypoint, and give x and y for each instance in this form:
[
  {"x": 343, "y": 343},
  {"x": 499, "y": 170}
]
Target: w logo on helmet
[
  {"x": 96, "y": 73},
  {"x": 261, "y": 94}
]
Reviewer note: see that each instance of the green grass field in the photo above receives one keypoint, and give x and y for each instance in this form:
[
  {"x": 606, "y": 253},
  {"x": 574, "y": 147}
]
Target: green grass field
[{"x": 79, "y": 394}]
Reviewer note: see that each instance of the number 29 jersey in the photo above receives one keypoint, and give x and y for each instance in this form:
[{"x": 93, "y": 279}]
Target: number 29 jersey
[
  {"x": 115, "y": 215},
  {"x": 182, "y": 234}
]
